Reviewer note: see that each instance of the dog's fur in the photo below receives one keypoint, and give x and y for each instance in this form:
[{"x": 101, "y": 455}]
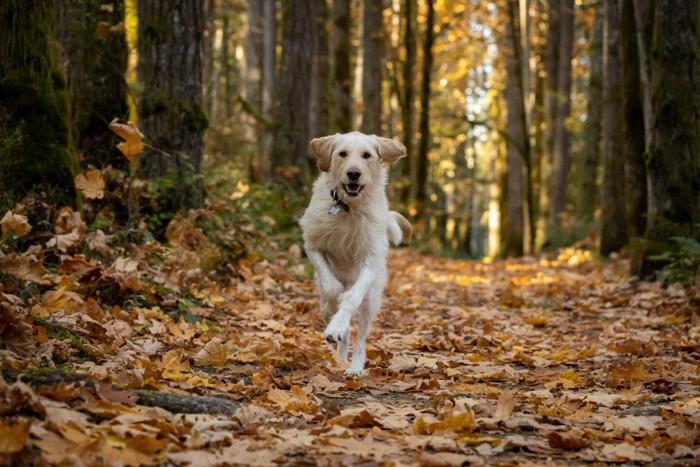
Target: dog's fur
[{"x": 348, "y": 247}]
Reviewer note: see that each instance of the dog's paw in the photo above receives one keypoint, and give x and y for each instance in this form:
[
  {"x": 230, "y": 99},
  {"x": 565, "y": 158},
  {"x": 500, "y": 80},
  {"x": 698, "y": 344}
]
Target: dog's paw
[
  {"x": 355, "y": 371},
  {"x": 334, "y": 333}
]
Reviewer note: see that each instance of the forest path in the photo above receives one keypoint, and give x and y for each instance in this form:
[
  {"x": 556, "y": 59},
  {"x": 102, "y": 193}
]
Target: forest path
[
  {"x": 510, "y": 362},
  {"x": 546, "y": 361}
]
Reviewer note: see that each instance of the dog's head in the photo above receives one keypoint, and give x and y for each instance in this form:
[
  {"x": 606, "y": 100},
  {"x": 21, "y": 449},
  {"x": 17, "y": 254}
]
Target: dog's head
[{"x": 354, "y": 160}]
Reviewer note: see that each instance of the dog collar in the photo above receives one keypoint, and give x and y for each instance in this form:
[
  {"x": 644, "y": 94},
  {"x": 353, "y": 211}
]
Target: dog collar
[{"x": 335, "y": 209}]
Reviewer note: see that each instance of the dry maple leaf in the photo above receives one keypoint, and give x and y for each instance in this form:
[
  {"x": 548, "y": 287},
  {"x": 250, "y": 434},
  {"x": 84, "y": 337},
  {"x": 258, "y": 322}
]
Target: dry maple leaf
[
  {"x": 15, "y": 223},
  {"x": 214, "y": 353},
  {"x": 13, "y": 436},
  {"x": 133, "y": 146},
  {"x": 15, "y": 334},
  {"x": 91, "y": 183}
]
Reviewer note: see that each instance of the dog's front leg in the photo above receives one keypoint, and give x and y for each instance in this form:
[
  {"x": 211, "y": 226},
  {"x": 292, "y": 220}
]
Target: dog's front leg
[
  {"x": 348, "y": 302},
  {"x": 330, "y": 285}
]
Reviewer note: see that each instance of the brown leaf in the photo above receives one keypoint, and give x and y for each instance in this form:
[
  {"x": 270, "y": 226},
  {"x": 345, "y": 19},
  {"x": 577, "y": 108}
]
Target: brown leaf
[
  {"x": 16, "y": 224},
  {"x": 214, "y": 353},
  {"x": 91, "y": 184},
  {"x": 106, "y": 391},
  {"x": 571, "y": 441},
  {"x": 15, "y": 334}
]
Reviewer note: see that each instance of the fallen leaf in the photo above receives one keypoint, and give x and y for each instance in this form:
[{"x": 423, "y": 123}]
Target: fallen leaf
[
  {"x": 91, "y": 183},
  {"x": 16, "y": 224},
  {"x": 13, "y": 436}
]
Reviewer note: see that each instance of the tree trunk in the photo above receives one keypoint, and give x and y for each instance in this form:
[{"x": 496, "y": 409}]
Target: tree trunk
[
  {"x": 254, "y": 54},
  {"x": 634, "y": 146},
  {"x": 319, "y": 102},
  {"x": 34, "y": 108},
  {"x": 561, "y": 145},
  {"x": 644, "y": 26},
  {"x": 551, "y": 81},
  {"x": 673, "y": 162},
  {"x": 264, "y": 164},
  {"x": 408, "y": 112},
  {"x": 372, "y": 54},
  {"x": 94, "y": 54},
  {"x": 613, "y": 218},
  {"x": 170, "y": 111},
  {"x": 587, "y": 198},
  {"x": 424, "y": 123},
  {"x": 517, "y": 141},
  {"x": 342, "y": 69},
  {"x": 292, "y": 95}
]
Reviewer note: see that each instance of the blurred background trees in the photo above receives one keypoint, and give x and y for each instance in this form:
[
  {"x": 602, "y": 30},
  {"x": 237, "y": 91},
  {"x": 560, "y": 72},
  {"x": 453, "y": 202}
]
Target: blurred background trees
[{"x": 530, "y": 124}]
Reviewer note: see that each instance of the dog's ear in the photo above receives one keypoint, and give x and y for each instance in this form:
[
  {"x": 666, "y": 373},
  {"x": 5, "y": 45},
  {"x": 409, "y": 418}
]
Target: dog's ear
[
  {"x": 322, "y": 148},
  {"x": 389, "y": 150}
]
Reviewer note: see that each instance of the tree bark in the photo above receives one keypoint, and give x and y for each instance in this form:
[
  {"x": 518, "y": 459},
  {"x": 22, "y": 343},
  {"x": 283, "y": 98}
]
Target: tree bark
[
  {"x": 342, "y": 69},
  {"x": 561, "y": 145},
  {"x": 587, "y": 196},
  {"x": 424, "y": 123},
  {"x": 372, "y": 54},
  {"x": 634, "y": 140},
  {"x": 264, "y": 163},
  {"x": 291, "y": 113},
  {"x": 613, "y": 218},
  {"x": 254, "y": 55},
  {"x": 674, "y": 162},
  {"x": 95, "y": 61},
  {"x": 517, "y": 140},
  {"x": 171, "y": 113},
  {"x": 644, "y": 26},
  {"x": 37, "y": 152},
  {"x": 408, "y": 112}
]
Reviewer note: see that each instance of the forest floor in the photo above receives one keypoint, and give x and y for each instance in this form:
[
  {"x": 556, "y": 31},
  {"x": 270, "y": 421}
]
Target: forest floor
[{"x": 536, "y": 361}]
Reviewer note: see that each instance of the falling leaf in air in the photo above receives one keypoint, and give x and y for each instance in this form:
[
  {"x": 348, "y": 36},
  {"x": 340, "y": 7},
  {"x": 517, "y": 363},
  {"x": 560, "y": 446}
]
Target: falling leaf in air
[
  {"x": 91, "y": 183},
  {"x": 133, "y": 145}
]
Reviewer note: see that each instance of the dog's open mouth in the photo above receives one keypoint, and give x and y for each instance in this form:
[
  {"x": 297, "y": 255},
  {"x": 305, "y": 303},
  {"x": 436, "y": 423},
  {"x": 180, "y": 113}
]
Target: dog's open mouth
[{"x": 353, "y": 189}]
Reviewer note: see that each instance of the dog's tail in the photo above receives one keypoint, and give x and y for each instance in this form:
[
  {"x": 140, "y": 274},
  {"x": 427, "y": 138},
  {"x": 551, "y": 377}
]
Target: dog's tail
[{"x": 399, "y": 229}]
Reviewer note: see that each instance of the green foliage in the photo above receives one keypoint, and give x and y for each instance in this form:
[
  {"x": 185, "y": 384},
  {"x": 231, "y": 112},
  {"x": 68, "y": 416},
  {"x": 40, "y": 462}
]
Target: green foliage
[{"x": 681, "y": 262}]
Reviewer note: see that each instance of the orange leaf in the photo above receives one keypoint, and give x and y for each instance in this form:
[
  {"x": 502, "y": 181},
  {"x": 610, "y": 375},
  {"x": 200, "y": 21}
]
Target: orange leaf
[
  {"x": 133, "y": 146},
  {"x": 13, "y": 437}
]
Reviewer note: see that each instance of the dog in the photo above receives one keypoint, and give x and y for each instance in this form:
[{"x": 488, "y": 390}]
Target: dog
[{"x": 347, "y": 228}]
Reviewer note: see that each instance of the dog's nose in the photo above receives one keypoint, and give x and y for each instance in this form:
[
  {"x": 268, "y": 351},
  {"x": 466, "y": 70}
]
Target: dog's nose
[{"x": 353, "y": 174}]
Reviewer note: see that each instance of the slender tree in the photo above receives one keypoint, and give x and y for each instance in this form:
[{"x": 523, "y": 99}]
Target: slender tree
[
  {"x": 342, "y": 69},
  {"x": 517, "y": 140},
  {"x": 291, "y": 108},
  {"x": 372, "y": 55},
  {"x": 633, "y": 129},
  {"x": 264, "y": 165},
  {"x": 673, "y": 161},
  {"x": 408, "y": 112},
  {"x": 254, "y": 55},
  {"x": 36, "y": 150},
  {"x": 171, "y": 114},
  {"x": 424, "y": 122},
  {"x": 560, "y": 143},
  {"x": 613, "y": 229},
  {"x": 587, "y": 195}
]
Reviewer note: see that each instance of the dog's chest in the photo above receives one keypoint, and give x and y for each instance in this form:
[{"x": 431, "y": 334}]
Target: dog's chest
[{"x": 345, "y": 236}]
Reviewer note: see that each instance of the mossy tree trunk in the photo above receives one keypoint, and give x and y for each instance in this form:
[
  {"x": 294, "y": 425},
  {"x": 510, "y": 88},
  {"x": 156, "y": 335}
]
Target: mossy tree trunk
[
  {"x": 673, "y": 162},
  {"x": 94, "y": 53},
  {"x": 171, "y": 114},
  {"x": 342, "y": 66},
  {"x": 35, "y": 142}
]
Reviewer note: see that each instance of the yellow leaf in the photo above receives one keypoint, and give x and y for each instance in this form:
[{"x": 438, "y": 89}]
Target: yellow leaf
[
  {"x": 13, "y": 437},
  {"x": 453, "y": 422},
  {"x": 214, "y": 353},
  {"x": 91, "y": 184},
  {"x": 133, "y": 146},
  {"x": 15, "y": 223}
]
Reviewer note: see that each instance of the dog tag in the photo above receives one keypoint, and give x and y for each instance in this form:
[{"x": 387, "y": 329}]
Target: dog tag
[{"x": 333, "y": 210}]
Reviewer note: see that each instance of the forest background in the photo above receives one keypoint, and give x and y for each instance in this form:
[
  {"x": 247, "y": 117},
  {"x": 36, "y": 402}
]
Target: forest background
[{"x": 528, "y": 124}]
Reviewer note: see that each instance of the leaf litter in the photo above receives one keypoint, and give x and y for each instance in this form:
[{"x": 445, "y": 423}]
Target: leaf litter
[{"x": 137, "y": 357}]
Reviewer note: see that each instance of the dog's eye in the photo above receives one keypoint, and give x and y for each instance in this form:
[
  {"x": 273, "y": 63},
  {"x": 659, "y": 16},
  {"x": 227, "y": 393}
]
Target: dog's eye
[
  {"x": 343, "y": 154},
  {"x": 366, "y": 155}
]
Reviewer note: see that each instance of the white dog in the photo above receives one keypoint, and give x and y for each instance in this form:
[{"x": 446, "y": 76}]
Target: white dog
[{"x": 347, "y": 228}]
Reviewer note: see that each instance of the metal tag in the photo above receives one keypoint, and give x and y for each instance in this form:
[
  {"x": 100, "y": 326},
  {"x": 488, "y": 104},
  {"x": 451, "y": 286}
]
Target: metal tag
[{"x": 333, "y": 210}]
